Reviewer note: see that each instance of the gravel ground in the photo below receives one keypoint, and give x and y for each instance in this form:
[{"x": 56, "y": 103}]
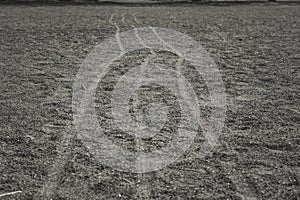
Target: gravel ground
[{"x": 256, "y": 48}]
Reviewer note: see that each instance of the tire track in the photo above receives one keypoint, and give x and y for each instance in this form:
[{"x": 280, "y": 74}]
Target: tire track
[
  {"x": 237, "y": 178},
  {"x": 48, "y": 190},
  {"x": 182, "y": 87},
  {"x": 10, "y": 193},
  {"x": 143, "y": 187},
  {"x": 123, "y": 17},
  {"x": 178, "y": 66},
  {"x": 243, "y": 189},
  {"x": 117, "y": 33},
  {"x": 135, "y": 19},
  {"x": 64, "y": 130}
]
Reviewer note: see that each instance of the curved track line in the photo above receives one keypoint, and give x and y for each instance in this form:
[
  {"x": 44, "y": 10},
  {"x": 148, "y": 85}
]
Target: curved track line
[
  {"x": 123, "y": 17},
  {"x": 237, "y": 179},
  {"x": 117, "y": 33},
  {"x": 165, "y": 43},
  {"x": 135, "y": 19},
  {"x": 48, "y": 189},
  {"x": 142, "y": 41},
  {"x": 178, "y": 66},
  {"x": 143, "y": 190},
  {"x": 10, "y": 193}
]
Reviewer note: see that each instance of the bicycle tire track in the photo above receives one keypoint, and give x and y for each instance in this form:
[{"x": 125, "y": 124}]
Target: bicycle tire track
[
  {"x": 143, "y": 187},
  {"x": 237, "y": 179},
  {"x": 10, "y": 193},
  {"x": 63, "y": 151},
  {"x": 117, "y": 33}
]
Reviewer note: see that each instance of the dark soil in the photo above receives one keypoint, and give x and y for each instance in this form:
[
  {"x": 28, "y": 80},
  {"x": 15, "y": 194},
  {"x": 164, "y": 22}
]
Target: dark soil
[{"x": 256, "y": 48}]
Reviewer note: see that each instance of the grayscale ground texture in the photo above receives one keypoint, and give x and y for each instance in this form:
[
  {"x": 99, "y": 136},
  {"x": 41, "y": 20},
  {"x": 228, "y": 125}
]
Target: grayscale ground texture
[{"x": 256, "y": 49}]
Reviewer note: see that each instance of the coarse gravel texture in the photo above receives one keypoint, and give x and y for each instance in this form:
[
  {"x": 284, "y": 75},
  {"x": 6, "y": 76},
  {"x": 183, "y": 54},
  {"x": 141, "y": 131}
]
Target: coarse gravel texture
[{"x": 256, "y": 48}]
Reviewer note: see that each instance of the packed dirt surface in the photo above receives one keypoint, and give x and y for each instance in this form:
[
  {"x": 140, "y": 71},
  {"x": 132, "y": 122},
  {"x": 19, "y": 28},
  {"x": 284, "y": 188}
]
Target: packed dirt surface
[{"x": 256, "y": 49}]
